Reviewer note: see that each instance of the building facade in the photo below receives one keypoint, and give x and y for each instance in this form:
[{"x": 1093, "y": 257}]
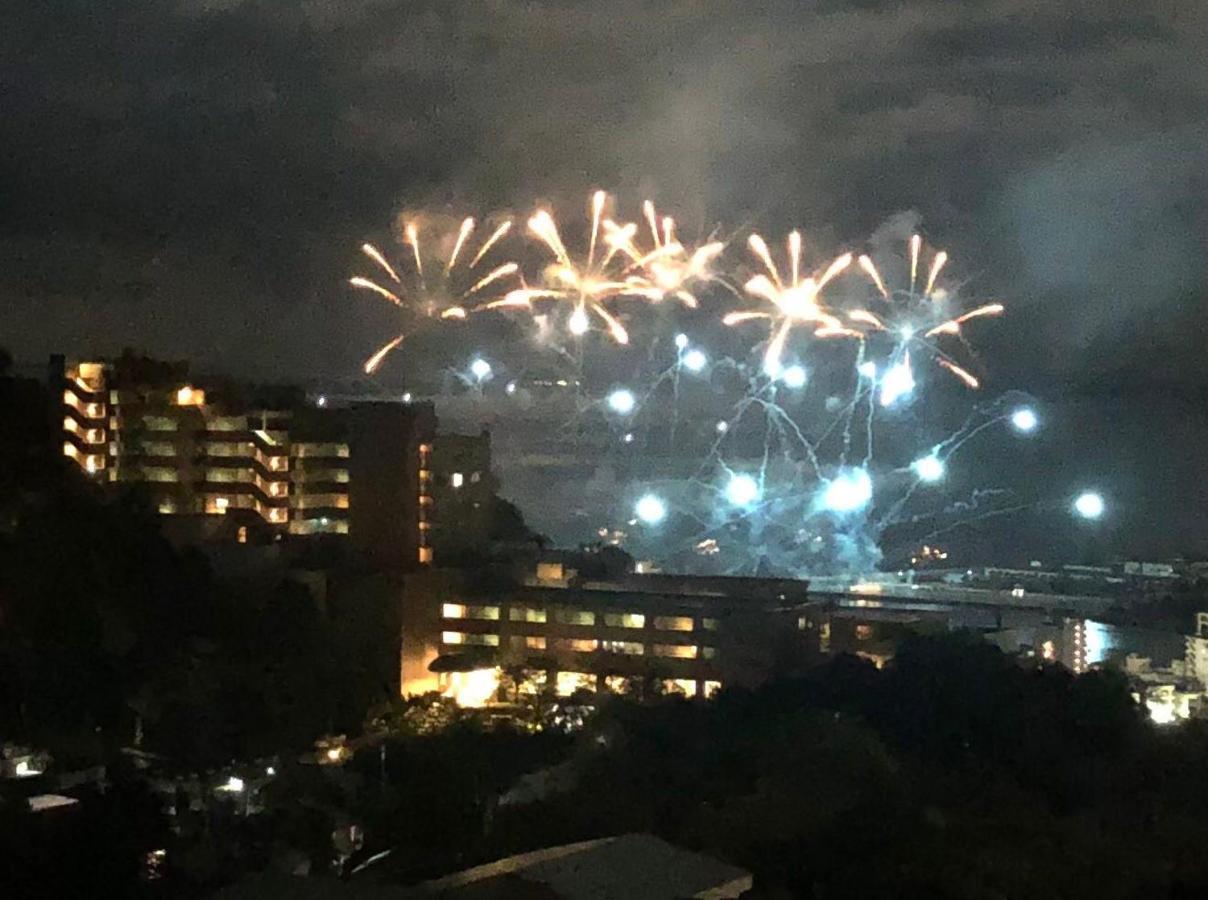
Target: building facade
[
  {"x": 682, "y": 635},
  {"x": 268, "y": 459}
]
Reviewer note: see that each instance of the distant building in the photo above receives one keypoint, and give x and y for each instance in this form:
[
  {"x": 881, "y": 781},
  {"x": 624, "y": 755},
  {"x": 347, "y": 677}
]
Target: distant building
[
  {"x": 463, "y": 488},
  {"x": 685, "y": 635},
  {"x": 265, "y": 459}
]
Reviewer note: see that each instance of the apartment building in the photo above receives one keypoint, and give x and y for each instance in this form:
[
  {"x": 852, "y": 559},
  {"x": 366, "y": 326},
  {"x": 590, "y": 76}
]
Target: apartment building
[
  {"x": 265, "y": 457},
  {"x": 690, "y": 635}
]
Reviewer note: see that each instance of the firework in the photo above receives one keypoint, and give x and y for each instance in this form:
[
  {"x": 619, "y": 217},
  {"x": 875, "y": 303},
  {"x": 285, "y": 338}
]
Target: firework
[
  {"x": 918, "y": 319},
  {"x": 445, "y": 289},
  {"x": 795, "y": 301},
  {"x": 667, "y": 268}
]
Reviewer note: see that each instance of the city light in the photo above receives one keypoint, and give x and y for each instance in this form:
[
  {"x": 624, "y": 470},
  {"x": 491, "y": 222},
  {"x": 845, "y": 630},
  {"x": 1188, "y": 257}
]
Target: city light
[
  {"x": 650, "y": 509},
  {"x": 695, "y": 360},
  {"x": 1089, "y": 505},
  {"x": 743, "y": 490},
  {"x": 723, "y": 426},
  {"x": 321, "y": 401},
  {"x": 929, "y": 468},
  {"x": 233, "y": 785},
  {"x": 793, "y": 377},
  {"x": 848, "y": 491},
  {"x": 578, "y": 321},
  {"x": 480, "y": 368},
  {"x": 622, "y": 401},
  {"x": 868, "y": 369},
  {"x": 1024, "y": 419},
  {"x": 681, "y": 341},
  {"x": 511, "y": 388}
]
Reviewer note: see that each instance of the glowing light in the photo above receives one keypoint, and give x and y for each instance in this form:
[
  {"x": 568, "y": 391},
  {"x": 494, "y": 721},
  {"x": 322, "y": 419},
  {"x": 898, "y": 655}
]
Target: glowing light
[
  {"x": 723, "y": 427},
  {"x": 793, "y": 377},
  {"x": 480, "y": 368},
  {"x": 650, "y": 509},
  {"x": 897, "y": 383},
  {"x": 742, "y": 490},
  {"x": 321, "y": 401},
  {"x": 847, "y": 492},
  {"x": 234, "y": 784},
  {"x": 695, "y": 360},
  {"x": 578, "y": 321},
  {"x": 1089, "y": 505},
  {"x": 796, "y": 303},
  {"x": 929, "y": 468},
  {"x": 1024, "y": 419},
  {"x": 868, "y": 370},
  {"x": 622, "y": 401},
  {"x": 628, "y": 439},
  {"x": 473, "y": 689},
  {"x": 511, "y": 388},
  {"x": 681, "y": 340}
]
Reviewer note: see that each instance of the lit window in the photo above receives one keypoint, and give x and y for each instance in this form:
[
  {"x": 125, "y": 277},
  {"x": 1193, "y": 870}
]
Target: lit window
[
  {"x": 456, "y": 479},
  {"x": 221, "y": 503},
  {"x": 528, "y": 642},
  {"x": 624, "y": 620},
  {"x": 863, "y": 632},
  {"x": 574, "y": 617},
  {"x": 69, "y": 424},
  {"x": 452, "y": 637},
  {"x": 673, "y": 623},
  {"x": 579, "y": 645},
  {"x": 712, "y": 687},
  {"x": 461, "y": 611},
  {"x": 425, "y": 474},
  {"x": 69, "y": 450},
  {"x": 683, "y": 686},
  {"x": 425, "y": 555},
  {"x": 708, "y": 652},
  {"x": 189, "y": 396},
  {"x": 569, "y": 682},
  {"x": 675, "y": 651},
  {"x": 453, "y": 611},
  {"x": 629, "y": 648},
  {"x": 167, "y": 507},
  {"x": 708, "y": 624},
  {"x": 524, "y": 614},
  {"x": 241, "y": 534}
]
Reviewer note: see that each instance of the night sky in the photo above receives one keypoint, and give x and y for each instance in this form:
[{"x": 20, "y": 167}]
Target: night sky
[{"x": 194, "y": 177}]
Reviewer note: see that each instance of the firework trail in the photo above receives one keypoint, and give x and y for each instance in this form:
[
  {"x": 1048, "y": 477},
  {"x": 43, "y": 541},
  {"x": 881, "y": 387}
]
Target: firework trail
[
  {"x": 794, "y": 300},
  {"x": 446, "y": 289}
]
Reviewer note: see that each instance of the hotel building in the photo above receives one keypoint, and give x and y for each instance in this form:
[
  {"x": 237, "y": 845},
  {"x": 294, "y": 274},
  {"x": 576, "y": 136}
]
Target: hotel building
[
  {"x": 691, "y": 635},
  {"x": 266, "y": 458}
]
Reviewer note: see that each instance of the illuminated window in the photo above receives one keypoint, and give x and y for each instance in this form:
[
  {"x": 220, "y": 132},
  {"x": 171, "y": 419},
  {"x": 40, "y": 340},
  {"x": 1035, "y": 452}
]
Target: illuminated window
[
  {"x": 461, "y": 611},
  {"x": 673, "y": 623},
  {"x": 425, "y": 555},
  {"x": 456, "y": 479},
  {"x": 189, "y": 396},
  {"x": 221, "y": 503},
  {"x": 528, "y": 642},
  {"x": 425, "y": 474},
  {"x": 461, "y": 637},
  {"x": 578, "y": 645},
  {"x": 675, "y": 651},
  {"x": 708, "y": 624},
  {"x": 526, "y": 614},
  {"x": 624, "y": 620},
  {"x": 565, "y": 616},
  {"x": 569, "y": 682},
  {"x": 425, "y": 448},
  {"x": 863, "y": 632},
  {"x": 69, "y": 424},
  {"x": 683, "y": 686},
  {"x": 708, "y": 652},
  {"x": 241, "y": 534},
  {"x": 167, "y": 507},
  {"x": 629, "y": 648},
  {"x": 712, "y": 687},
  {"x": 159, "y": 423}
]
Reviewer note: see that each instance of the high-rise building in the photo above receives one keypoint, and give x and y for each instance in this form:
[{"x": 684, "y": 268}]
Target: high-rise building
[
  {"x": 265, "y": 456},
  {"x": 463, "y": 489}
]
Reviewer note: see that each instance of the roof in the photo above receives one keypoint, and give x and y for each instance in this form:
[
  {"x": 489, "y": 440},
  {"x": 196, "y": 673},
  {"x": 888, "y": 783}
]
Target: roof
[{"x": 626, "y": 867}]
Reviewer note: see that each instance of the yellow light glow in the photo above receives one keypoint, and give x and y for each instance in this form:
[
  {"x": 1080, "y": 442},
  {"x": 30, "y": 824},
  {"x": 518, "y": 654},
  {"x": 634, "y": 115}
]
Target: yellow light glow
[
  {"x": 472, "y": 689},
  {"x": 190, "y": 396}
]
